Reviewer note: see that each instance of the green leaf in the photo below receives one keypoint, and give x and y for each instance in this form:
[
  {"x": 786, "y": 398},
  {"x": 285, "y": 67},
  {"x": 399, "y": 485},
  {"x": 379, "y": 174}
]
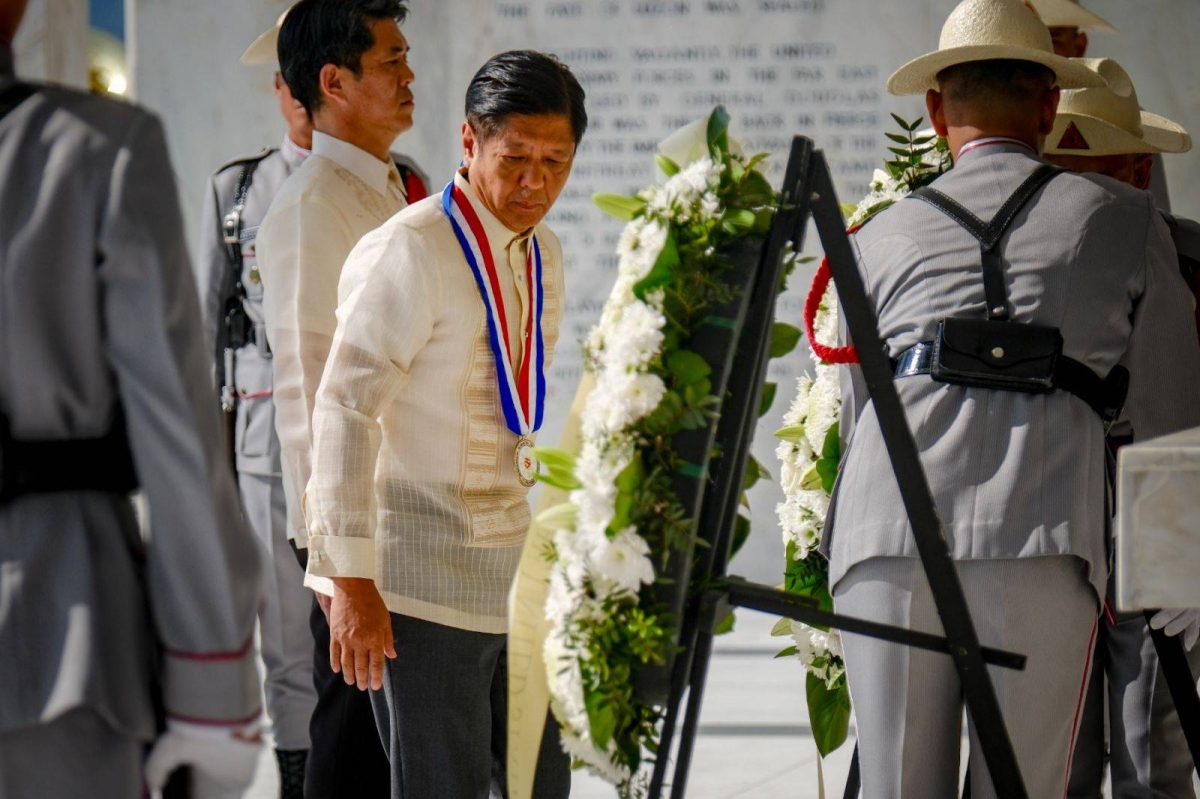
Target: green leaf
[
  {"x": 827, "y": 470},
  {"x": 768, "y": 398},
  {"x": 601, "y": 718},
  {"x": 663, "y": 269},
  {"x": 669, "y": 167},
  {"x": 725, "y": 625},
  {"x": 628, "y": 482},
  {"x": 794, "y": 433},
  {"x": 896, "y": 137},
  {"x": 829, "y": 714},
  {"x": 782, "y": 627},
  {"x": 784, "y": 338},
  {"x": 755, "y": 160},
  {"x": 791, "y": 651},
  {"x": 619, "y": 205},
  {"x": 741, "y": 532},
  {"x": 900, "y": 121},
  {"x": 739, "y": 218},
  {"x": 565, "y": 481},
  {"x": 847, "y": 209},
  {"x": 924, "y": 140},
  {"x": 912, "y": 126},
  {"x": 756, "y": 190},
  {"x": 559, "y": 517},
  {"x": 554, "y": 458},
  {"x": 831, "y": 447},
  {"x": 899, "y": 152},
  {"x": 688, "y": 367},
  {"x": 755, "y": 471},
  {"x": 718, "y": 133},
  {"x": 812, "y": 479}
]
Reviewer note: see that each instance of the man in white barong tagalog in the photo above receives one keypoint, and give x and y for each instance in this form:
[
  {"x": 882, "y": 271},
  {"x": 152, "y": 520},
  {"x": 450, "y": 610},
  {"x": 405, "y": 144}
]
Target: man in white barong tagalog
[
  {"x": 346, "y": 62},
  {"x": 448, "y": 317}
]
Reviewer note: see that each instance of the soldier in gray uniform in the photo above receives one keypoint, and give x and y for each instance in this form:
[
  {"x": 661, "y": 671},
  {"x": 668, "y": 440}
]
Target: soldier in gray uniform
[
  {"x": 237, "y": 199},
  {"x": 104, "y": 387},
  {"x": 1013, "y": 297},
  {"x": 1104, "y": 131}
]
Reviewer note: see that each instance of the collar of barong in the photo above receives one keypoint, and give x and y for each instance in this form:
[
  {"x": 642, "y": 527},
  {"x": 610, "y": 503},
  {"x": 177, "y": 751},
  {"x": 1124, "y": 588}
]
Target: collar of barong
[{"x": 500, "y": 235}]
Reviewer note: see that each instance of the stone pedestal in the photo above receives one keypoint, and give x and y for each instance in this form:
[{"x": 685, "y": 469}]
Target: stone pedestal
[
  {"x": 1158, "y": 523},
  {"x": 52, "y": 42}
]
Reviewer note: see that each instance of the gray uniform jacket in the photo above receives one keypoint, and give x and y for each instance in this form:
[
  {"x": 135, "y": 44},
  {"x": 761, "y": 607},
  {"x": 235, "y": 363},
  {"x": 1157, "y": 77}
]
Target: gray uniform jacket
[
  {"x": 1013, "y": 474},
  {"x": 255, "y": 442},
  {"x": 98, "y": 309}
]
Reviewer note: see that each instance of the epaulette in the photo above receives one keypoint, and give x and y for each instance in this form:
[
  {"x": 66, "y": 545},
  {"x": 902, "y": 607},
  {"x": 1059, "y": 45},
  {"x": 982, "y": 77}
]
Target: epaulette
[{"x": 248, "y": 159}]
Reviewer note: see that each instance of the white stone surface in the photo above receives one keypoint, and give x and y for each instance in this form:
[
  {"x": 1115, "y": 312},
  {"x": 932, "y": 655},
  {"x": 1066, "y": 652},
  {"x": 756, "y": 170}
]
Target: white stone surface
[
  {"x": 52, "y": 42},
  {"x": 1158, "y": 526}
]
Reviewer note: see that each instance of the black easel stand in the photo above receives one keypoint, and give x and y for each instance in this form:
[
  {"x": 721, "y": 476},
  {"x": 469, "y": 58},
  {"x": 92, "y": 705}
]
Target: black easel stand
[{"x": 808, "y": 192}]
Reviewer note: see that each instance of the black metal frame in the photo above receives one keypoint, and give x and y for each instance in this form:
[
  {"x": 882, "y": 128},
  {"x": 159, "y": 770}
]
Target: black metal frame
[{"x": 808, "y": 192}]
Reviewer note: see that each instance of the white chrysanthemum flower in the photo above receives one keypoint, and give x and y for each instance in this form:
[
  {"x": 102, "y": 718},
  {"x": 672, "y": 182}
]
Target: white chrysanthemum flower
[
  {"x": 624, "y": 559},
  {"x": 635, "y": 340}
]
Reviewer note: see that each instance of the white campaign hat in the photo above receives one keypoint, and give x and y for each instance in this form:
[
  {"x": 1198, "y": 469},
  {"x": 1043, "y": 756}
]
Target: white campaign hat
[
  {"x": 1109, "y": 121},
  {"x": 986, "y": 30},
  {"x": 1070, "y": 14},
  {"x": 264, "y": 49}
]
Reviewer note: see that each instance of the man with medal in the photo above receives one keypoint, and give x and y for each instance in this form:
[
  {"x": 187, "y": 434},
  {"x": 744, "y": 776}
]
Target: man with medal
[{"x": 424, "y": 425}]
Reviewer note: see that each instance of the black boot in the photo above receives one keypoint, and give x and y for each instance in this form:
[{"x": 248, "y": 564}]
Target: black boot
[{"x": 291, "y": 772}]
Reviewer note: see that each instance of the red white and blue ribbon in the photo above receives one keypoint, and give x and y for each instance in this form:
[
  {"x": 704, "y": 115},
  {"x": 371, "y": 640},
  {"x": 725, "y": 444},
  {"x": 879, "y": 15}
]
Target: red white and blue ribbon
[{"x": 522, "y": 393}]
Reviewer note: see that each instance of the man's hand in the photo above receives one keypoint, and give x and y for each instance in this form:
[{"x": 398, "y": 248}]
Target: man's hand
[
  {"x": 360, "y": 632},
  {"x": 324, "y": 601}
]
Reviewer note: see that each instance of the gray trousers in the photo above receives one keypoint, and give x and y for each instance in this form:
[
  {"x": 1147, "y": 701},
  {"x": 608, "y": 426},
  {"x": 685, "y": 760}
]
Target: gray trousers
[
  {"x": 908, "y": 703},
  {"x": 442, "y": 717},
  {"x": 285, "y": 641},
  {"x": 1149, "y": 756},
  {"x": 76, "y": 755}
]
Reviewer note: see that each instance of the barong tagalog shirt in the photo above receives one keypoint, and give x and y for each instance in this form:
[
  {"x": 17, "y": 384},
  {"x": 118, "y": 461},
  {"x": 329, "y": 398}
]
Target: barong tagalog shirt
[
  {"x": 414, "y": 478},
  {"x": 340, "y": 193}
]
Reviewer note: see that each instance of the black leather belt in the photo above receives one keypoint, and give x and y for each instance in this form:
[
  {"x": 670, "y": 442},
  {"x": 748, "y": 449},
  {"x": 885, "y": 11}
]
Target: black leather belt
[
  {"x": 40, "y": 467},
  {"x": 1105, "y": 396}
]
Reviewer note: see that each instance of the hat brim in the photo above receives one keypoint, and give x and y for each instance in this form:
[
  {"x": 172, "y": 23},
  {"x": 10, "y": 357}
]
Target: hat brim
[
  {"x": 1072, "y": 15},
  {"x": 263, "y": 50},
  {"x": 1159, "y": 135},
  {"x": 920, "y": 75}
]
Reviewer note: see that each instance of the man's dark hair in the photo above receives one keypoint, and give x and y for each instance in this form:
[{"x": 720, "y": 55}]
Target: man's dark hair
[
  {"x": 524, "y": 82},
  {"x": 998, "y": 80},
  {"x": 320, "y": 32}
]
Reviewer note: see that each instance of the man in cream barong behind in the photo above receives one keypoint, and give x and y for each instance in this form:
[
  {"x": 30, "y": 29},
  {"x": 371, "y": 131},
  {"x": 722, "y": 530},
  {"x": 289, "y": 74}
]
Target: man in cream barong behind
[
  {"x": 1086, "y": 265},
  {"x": 448, "y": 317},
  {"x": 1105, "y": 131}
]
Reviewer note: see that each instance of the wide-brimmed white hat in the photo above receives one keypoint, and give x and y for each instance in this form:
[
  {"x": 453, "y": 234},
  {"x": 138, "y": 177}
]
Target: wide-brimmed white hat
[
  {"x": 265, "y": 49},
  {"x": 986, "y": 30},
  {"x": 1070, "y": 14},
  {"x": 1109, "y": 121}
]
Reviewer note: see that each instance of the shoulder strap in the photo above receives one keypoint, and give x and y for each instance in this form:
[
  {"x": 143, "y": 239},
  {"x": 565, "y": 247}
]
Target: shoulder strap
[
  {"x": 990, "y": 233},
  {"x": 13, "y": 96},
  {"x": 232, "y": 222}
]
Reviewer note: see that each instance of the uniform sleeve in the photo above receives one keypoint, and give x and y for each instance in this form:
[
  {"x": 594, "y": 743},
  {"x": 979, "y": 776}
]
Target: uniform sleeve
[
  {"x": 388, "y": 277},
  {"x": 301, "y": 248},
  {"x": 213, "y": 276},
  {"x": 203, "y": 565},
  {"x": 1163, "y": 359}
]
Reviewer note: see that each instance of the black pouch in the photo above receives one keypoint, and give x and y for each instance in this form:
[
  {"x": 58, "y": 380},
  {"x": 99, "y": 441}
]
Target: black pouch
[{"x": 1002, "y": 355}]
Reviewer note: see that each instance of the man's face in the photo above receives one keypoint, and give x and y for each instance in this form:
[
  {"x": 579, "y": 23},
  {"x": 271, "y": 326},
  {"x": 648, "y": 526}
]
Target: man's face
[
  {"x": 519, "y": 170},
  {"x": 1069, "y": 42},
  {"x": 381, "y": 97},
  {"x": 1131, "y": 168},
  {"x": 298, "y": 124}
]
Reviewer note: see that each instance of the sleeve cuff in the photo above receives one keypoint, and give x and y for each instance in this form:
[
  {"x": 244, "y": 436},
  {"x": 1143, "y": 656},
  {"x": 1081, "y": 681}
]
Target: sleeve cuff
[
  {"x": 212, "y": 688},
  {"x": 341, "y": 556}
]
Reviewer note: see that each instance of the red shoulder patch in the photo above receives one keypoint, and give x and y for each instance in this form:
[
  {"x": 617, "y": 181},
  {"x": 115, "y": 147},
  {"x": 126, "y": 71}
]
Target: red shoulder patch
[{"x": 1072, "y": 139}]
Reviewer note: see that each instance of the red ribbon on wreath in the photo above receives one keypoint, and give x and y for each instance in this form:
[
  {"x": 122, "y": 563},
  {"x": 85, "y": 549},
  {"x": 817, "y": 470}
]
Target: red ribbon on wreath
[{"x": 837, "y": 355}]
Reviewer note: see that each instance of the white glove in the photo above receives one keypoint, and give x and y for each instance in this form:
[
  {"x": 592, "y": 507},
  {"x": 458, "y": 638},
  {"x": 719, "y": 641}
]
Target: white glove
[
  {"x": 1184, "y": 622},
  {"x": 223, "y": 761}
]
